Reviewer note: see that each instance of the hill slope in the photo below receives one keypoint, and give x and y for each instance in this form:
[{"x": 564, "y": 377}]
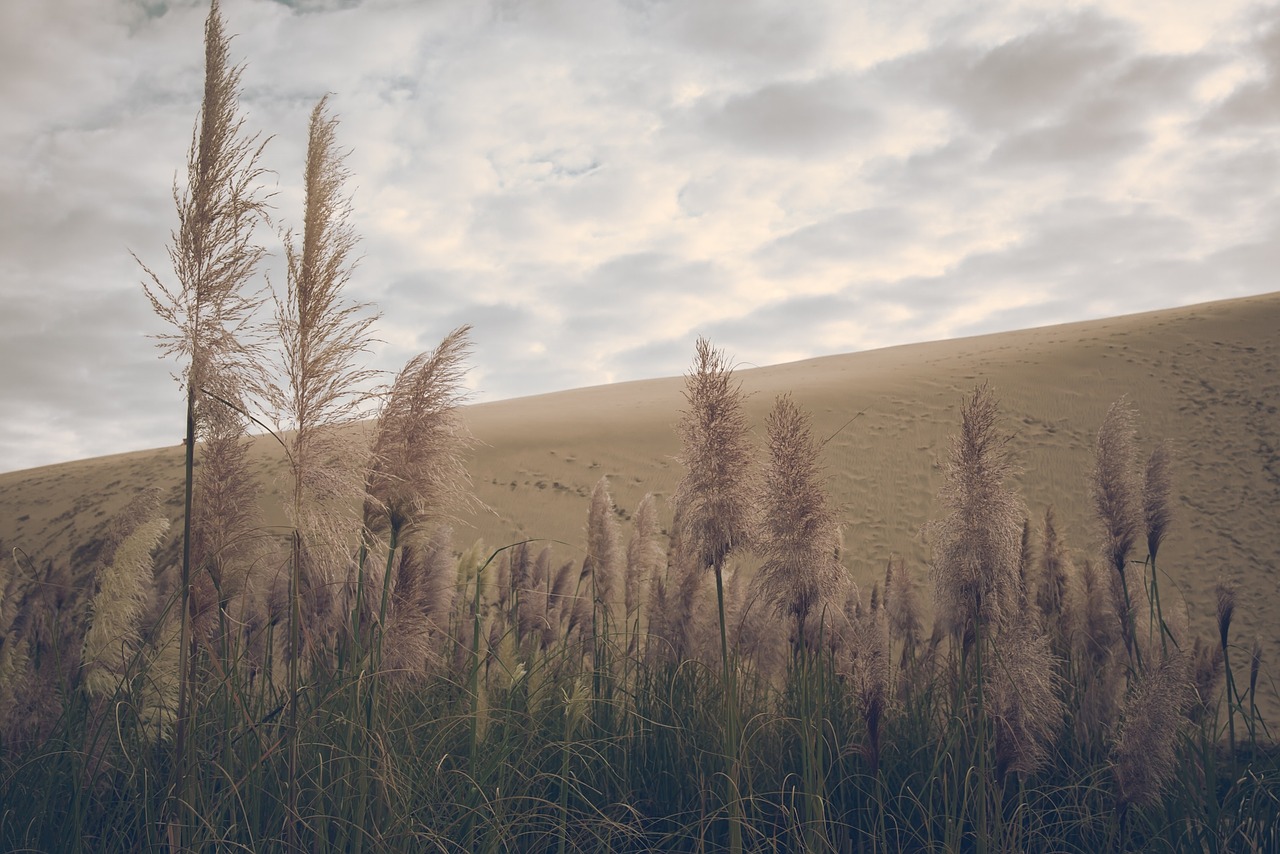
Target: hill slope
[{"x": 1206, "y": 377}]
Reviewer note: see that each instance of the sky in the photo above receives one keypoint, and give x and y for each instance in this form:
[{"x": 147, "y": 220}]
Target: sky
[{"x": 593, "y": 184}]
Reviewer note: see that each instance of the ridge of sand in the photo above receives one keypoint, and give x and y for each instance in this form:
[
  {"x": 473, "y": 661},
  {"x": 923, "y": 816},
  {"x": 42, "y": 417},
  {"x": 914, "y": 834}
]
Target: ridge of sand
[{"x": 1205, "y": 376}]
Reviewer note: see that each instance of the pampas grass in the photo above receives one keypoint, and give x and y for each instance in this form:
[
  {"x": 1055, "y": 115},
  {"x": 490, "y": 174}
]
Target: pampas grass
[
  {"x": 1156, "y": 488},
  {"x": 605, "y": 557},
  {"x": 322, "y": 387},
  {"x": 644, "y": 555},
  {"x": 418, "y": 475},
  {"x": 800, "y": 573},
  {"x": 902, "y": 607},
  {"x": 488, "y": 701},
  {"x": 979, "y": 544},
  {"x": 211, "y": 308},
  {"x": 716, "y": 497},
  {"x": 1145, "y": 749},
  {"x": 114, "y": 635}
]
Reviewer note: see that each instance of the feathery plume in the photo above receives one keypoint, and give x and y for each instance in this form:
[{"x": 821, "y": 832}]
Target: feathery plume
[
  {"x": 560, "y": 597},
  {"x": 159, "y": 702},
  {"x": 226, "y": 513},
  {"x": 902, "y": 606},
  {"x": 1155, "y": 497},
  {"x": 212, "y": 251},
  {"x": 1114, "y": 490},
  {"x": 114, "y": 633},
  {"x": 717, "y": 492},
  {"x": 869, "y": 667},
  {"x": 979, "y": 543},
  {"x": 1207, "y": 663},
  {"x": 800, "y": 572},
  {"x": 1099, "y": 617},
  {"x": 1144, "y": 753},
  {"x": 502, "y": 583},
  {"x": 439, "y": 584},
  {"x": 322, "y": 334},
  {"x": 421, "y": 603},
  {"x": 1024, "y": 564},
  {"x": 213, "y": 257},
  {"x": 521, "y": 567},
  {"x": 1055, "y": 570},
  {"x": 1226, "y": 596},
  {"x": 604, "y": 550},
  {"x": 1025, "y": 698},
  {"x": 644, "y": 554},
  {"x": 532, "y": 611},
  {"x": 418, "y": 472}
]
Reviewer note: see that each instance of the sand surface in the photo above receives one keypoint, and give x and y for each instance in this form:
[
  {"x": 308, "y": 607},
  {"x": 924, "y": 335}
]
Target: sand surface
[{"x": 1206, "y": 377}]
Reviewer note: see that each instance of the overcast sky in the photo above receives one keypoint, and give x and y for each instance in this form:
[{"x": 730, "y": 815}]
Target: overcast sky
[{"x": 594, "y": 183}]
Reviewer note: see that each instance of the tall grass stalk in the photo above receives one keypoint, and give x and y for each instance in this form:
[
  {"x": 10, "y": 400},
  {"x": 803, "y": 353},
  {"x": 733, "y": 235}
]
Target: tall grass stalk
[
  {"x": 321, "y": 391},
  {"x": 214, "y": 258},
  {"x": 717, "y": 499}
]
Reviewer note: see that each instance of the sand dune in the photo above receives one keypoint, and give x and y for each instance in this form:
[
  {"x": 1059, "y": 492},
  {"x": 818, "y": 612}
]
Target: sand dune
[{"x": 1205, "y": 376}]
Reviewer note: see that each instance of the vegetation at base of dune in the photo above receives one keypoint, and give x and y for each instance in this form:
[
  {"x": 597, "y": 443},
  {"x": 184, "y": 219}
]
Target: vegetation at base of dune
[{"x": 721, "y": 684}]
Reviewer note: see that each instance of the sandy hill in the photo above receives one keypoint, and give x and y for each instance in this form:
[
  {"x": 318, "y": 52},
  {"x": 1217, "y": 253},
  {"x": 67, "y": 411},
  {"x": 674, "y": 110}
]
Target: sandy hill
[{"x": 1205, "y": 376}]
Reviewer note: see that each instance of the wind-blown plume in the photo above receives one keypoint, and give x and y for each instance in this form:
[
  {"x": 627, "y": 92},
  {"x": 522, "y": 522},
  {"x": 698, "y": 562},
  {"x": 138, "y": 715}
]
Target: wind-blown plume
[
  {"x": 418, "y": 472},
  {"x": 114, "y": 634},
  {"x": 1098, "y": 618},
  {"x": 210, "y": 309},
  {"x": 1025, "y": 698},
  {"x": 212, "y": 250},
  {"x": 1115, "y": 495},
  {"x": 1226, "y": 596},
  {"x": 1052, "y": 597},
  {"x": 223, "y": 546}
]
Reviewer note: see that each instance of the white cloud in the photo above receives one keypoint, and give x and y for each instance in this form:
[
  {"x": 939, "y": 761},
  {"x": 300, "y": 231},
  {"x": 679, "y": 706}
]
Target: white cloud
[{"x": 591, "y": 185}]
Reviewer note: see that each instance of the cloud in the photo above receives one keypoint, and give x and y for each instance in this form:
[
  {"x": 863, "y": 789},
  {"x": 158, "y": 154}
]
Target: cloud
[
  {"x": 794, "y": 119},
  {"x": 591, "y": 186}
]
